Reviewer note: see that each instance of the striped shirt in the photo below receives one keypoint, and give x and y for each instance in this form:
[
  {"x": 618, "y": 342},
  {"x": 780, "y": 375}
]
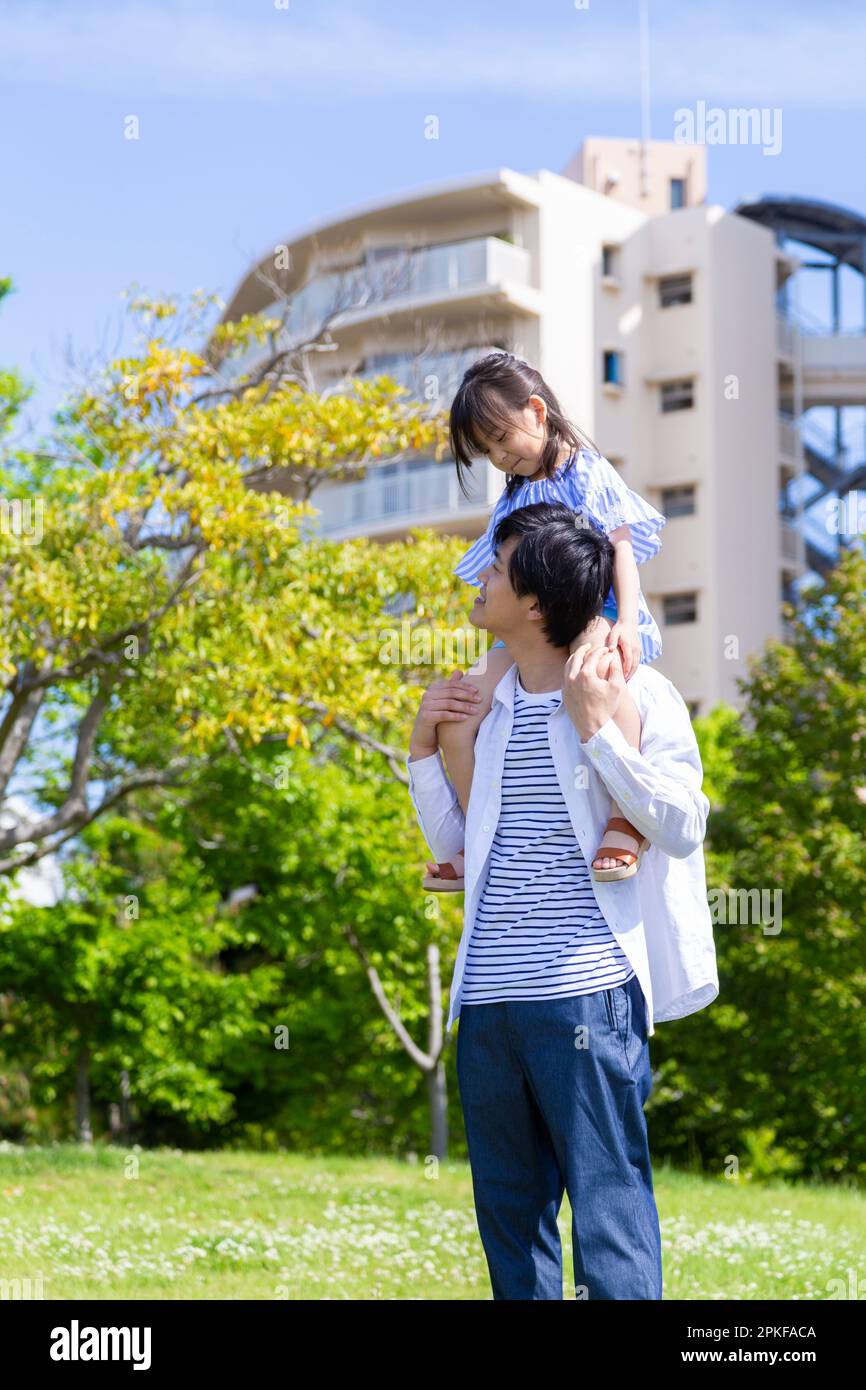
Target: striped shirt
[{"x": 539, "y": 932}]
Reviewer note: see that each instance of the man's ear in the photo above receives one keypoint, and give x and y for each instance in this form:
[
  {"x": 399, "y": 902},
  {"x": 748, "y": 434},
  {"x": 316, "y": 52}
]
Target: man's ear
[{"x": 533, "y": 612}]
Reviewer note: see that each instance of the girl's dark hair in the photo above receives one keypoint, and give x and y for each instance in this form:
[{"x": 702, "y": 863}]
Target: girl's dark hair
[{"x": 497, "y": 380}]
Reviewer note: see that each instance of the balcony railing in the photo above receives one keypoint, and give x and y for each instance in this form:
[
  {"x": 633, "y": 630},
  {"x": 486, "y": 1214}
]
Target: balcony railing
[
  {"x": 785, "y": 331},
  {"x": 817, "y": 326},
  {"x": 835, "y": 352},
  {"x": 790, "y": 544},
  {"x": 448, "y": 268},
  {"x": 402, "y": 494},
  {"x": 433, "y": 375},
  {"x": 442, "y": 270},
  {"x": 787, "y": 438}
]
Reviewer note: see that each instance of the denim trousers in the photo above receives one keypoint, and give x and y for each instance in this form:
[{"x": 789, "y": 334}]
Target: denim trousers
[{"x": 553, "y": 1093}]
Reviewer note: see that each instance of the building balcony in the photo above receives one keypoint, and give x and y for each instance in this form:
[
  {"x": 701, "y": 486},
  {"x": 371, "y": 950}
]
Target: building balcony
[
  {"x": 448, "y": 269},
  {"x": 834, "y": 369},
  {"x": 451, "y": 280},
  {"x": 833, "y": 362},
  {"x": 787, "y": 438},
  {"x": 427, "y": 376},
  {"x": 397, "y": 496},
  {"x": 785, "y": 336},
  {"x": 791, "y": 545}
]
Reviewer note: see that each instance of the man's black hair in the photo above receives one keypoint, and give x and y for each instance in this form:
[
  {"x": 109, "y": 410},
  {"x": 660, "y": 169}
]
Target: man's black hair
[{"x": 562, "y": 562}]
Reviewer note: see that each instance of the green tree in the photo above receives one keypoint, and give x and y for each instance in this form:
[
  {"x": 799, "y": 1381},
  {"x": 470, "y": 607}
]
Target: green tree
[
  {"x": 169, "y": 599},
  {"x": 171, "y": 604},
  {"x": 332, "y": 850},
  {"x": 213, "y": 965},
  {"x": 120, "y": 990},
  {"x": 781, "y": 1053}
]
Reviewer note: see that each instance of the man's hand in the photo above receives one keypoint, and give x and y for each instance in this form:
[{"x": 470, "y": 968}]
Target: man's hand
[
  {"x": 453, "y": 698},
  {"x": 592, "y": 687}
]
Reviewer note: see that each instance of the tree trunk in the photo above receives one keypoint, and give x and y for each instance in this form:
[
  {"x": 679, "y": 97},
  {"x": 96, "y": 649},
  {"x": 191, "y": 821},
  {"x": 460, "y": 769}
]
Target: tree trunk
[
  {"x": 438, "y": 1096},
  {"x": 124, "y": 1104},
  {"x": 118, "y": 1112},
  {"x": 437, "y": 1090},
  {"x": 430, "y": 1061},
  {"x": 83, "y": 1131}
]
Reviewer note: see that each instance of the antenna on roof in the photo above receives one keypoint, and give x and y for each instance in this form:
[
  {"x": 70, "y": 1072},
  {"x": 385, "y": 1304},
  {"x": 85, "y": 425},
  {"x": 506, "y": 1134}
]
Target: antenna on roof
[{"x": 644, "y": 96}]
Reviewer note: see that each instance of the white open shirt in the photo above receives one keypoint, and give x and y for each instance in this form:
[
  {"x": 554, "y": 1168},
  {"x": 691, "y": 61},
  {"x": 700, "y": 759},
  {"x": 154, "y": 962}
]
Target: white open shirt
[{"x": 659, "y": 916}]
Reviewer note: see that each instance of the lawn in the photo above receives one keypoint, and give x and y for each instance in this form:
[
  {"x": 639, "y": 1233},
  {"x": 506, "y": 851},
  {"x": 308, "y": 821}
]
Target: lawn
[{"x": 124, "y": 1224}]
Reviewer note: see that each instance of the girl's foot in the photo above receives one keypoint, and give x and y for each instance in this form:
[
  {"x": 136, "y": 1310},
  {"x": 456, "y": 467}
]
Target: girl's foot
[
  {"x": 445, "y": 878},
  {"x": 620, "y": 852}
]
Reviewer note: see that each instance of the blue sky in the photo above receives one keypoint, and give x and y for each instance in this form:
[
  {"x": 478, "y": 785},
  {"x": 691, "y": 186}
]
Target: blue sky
[{"x": 256, "y": 120}]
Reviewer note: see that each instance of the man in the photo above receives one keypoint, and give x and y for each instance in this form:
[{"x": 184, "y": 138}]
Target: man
[{"x": 560, "y": 978}]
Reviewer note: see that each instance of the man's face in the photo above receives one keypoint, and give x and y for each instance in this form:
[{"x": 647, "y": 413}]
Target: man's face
[{"x": 497, "y": 608}]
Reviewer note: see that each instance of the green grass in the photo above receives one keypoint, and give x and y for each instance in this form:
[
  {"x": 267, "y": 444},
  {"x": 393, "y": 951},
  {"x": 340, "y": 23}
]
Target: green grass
[{"x": 127, "y": 1224}]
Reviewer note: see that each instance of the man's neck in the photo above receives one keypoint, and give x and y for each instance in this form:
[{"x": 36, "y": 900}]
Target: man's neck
[{"x": 540, "y": 665}]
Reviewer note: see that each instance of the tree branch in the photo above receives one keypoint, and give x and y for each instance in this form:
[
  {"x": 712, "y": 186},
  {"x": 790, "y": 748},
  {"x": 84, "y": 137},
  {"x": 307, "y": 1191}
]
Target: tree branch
[
  {"x": 103, "y": 655},
  {"x": 421, "y": 1059},
  {"x": 395, "y": 756},
  {"x": 166, "y": 778}
]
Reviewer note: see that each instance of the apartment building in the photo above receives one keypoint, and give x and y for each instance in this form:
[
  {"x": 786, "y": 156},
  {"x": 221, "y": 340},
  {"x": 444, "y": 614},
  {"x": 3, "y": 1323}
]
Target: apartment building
[{"x": 664, "y": 326}]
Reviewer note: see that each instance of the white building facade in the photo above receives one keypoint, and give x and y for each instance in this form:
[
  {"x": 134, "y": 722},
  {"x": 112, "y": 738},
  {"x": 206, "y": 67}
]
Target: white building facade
[{"x": 655, "y": 319}]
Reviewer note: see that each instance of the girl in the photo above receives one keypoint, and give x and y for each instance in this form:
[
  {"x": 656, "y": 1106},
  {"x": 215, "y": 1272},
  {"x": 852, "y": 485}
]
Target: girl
[{"x": 504, "y": 409}]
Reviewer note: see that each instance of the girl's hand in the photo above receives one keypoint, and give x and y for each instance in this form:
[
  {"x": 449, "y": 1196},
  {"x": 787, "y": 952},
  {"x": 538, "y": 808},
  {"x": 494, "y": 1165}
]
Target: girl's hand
[{"x": 624, "y": 636}]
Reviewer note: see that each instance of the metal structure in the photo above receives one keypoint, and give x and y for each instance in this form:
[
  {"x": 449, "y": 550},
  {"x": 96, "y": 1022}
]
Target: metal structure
[{"x": 839, "y": 235}]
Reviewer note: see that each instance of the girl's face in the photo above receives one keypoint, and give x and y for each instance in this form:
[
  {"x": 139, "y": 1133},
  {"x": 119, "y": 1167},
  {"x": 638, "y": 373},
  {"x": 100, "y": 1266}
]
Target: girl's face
[{"x": 517, "y": 447}]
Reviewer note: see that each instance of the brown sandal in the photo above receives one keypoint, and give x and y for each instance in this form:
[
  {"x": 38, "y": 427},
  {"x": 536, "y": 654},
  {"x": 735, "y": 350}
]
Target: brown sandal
[
  {"x": 631, "y": 859},
  {"x": 446, "y": 881}
]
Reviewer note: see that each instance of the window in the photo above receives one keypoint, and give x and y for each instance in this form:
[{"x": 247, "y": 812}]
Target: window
[
  {"x": 610, "y": 262},
  {"x": 788, "y": 588},
  {"x": 787, "y": 503},
  {"x": 680, "y": 608},
  {"x": 674, "y": 289},
  {"x": 613, "y": 369},
  {"x": 678, "y": 193},
  {"x": 678, "y": 501},
  {"x": 677, "y": 395}
]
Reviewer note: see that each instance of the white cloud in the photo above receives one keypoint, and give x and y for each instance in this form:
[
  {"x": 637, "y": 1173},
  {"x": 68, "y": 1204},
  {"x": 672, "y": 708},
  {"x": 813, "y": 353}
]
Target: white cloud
[{"x": 726, "y": 55}]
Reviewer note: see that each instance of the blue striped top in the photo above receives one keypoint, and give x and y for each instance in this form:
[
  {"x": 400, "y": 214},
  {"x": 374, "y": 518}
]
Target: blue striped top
[
  {"x": 539, "y": 932},
  {"x": 589, "y": 484}
]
